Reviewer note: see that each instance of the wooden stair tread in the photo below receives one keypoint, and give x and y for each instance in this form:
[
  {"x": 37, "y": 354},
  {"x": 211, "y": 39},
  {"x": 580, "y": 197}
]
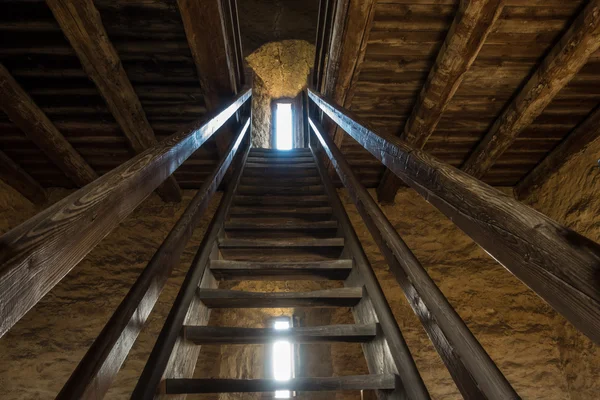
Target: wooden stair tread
[
  {"x": 313, "y": 334},
  {"x": 337, "y": 383},
  {"x": 280, "y": 225},
  {"x": 280, "y": 160},
  {"x": 290, "y": 211},
  {"x": 276, "y": 173},
  {"x": 248, "y": 270},
  {"x": 284, "y": 181},
  {"x": 292, "y": 242},
  {"x": 281, "y": 200},
  {"x": 304, "y": 165},
  {"x": 222, "y": 298},
  {"x": 282, "y": 190}
]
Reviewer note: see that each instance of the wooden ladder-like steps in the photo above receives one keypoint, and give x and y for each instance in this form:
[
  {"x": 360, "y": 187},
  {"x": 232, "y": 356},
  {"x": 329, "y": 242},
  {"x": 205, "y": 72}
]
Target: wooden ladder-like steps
[
  {"x": 338, "y": 383},
  {"x": 280, "y": 160},
  {"x": 221, "y": 298},
  {"x": 281, "y": 271},
  {"x": 264, "y": 172},
  {"x": 284, "y": 167},
  {"x": 314, "y": 200},
  {"x": 313, "y": 334}
]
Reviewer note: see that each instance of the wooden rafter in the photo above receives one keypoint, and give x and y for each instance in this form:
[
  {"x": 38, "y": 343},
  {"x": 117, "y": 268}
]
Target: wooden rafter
[
  {"x": 563, "y": 62},
  {"x": 13, "y": 175},
  {"x": 34, "y": 123},
  {"x": 472, "y": 24},
  {"x": 81, "y": 23},
  {"x": 577, "y": 141},
  {"x": 204, "y": 23},
  {"x": 353, "y": 22}
]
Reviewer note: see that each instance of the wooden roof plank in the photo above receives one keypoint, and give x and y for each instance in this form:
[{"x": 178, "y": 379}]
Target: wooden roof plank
[
  {"x": 81, "y": 23},
  {"x": 34, "y": 123},
  {"x": 471, "y": 26},
  {"x": 561, "y": 65},
  {"x": 13, "y": 175}
]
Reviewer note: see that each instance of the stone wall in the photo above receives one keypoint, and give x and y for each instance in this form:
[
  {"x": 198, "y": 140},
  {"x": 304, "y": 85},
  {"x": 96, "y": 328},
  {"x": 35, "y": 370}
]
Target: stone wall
[
  {"x": 571, "y": 196},
  {"x": 539, "y": 352}
]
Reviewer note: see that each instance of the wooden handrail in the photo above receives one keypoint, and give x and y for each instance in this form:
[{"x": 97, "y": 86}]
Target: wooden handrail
[
  {"x": 170, "y": 333},
  {"x": 557, "y": 263},
  {"x": 472, "y": 369},
  {"x": 37, "y": 254},
  {"x": 412, "y": 384},
  {"x": 99, "y": 367}
]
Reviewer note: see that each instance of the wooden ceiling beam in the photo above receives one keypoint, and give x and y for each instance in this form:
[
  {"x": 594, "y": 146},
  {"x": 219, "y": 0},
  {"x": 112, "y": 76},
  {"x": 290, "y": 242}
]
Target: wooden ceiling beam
[
  {"x": 13, "y": 175},
  {"x": 577, "y": 141},
  {"x": 563, "y": 62},
  {"x": 470, "y": 28},
  {"x": 29, "y": 118},
  {"x": 81, "y": 23},
  {"x": 205, "y": 28},
  {"x": 353, "y": 20}
]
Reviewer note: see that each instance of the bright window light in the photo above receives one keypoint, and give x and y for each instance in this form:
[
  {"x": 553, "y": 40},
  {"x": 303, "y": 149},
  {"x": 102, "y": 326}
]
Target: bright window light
[
  {"x": 282, "y": 359},
  {"x": 283, "y": 127}
]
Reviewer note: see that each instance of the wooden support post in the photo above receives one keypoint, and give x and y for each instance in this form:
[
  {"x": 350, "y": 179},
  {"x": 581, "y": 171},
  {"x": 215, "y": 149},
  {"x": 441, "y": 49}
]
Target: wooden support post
[
  {"x": 37, "y": 254},
  {"x": 173, "y": 356},
  {"x": 563, "y": 62},
  {"x": 560, "y": 265},
  {"x": 347, "y": 56},
  {"x": 388, "y": 352},
  {"x": 471, "y": 26},
  {"x": 213, "y": 54},
  {"x": 22, "y": 110},
  {"x": 13, "y": 175},
  {"x": 99, "y": 367},
  {"x": 81, "y": 23},
  {"x": 582, "y": 136},
  {"x": 473, "y": 371}
]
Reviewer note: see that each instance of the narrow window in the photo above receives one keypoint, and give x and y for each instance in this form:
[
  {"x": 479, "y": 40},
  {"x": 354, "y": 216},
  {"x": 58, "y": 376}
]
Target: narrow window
[
  {"x": 283, "y": 126},
  {"x": 282, "y": 358}
]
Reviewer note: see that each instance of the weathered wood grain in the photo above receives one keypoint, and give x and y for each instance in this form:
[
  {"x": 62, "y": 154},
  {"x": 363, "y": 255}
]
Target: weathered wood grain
[
  {"x": 338, "y": 383},
  {"x": 98, "y": 368},
  {"x": 557, "y": 263},
  {"x": 472, "y": 24},
  {"x": 587, "y": 132},
  {"x": 81, "y": 23},
  {"x": 34, "y": 123},
  {"x": 13, "y": 175},
  {"x": 557, "y": 69},
  {"x": 37, "y": 254},
  {"x": 473, "y": 371}
]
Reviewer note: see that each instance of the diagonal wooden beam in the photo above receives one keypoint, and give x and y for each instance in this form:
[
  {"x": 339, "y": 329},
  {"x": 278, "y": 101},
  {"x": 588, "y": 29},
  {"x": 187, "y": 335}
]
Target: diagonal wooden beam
[
  {"x": 81, "y": 23},
  {"x": 583, "y": 135},
  {"x": 34, "y": 123},
  {"x": 353, "y": 22},
  {"x": 13, "y": 175},
  {"x": 470, "y": 28},
  {"x": 205, "y": 28},
  {"x": 563, "y": 62}
]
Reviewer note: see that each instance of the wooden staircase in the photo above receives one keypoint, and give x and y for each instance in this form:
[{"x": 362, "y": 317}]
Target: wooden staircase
[{"x": 280, "y": 220}]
